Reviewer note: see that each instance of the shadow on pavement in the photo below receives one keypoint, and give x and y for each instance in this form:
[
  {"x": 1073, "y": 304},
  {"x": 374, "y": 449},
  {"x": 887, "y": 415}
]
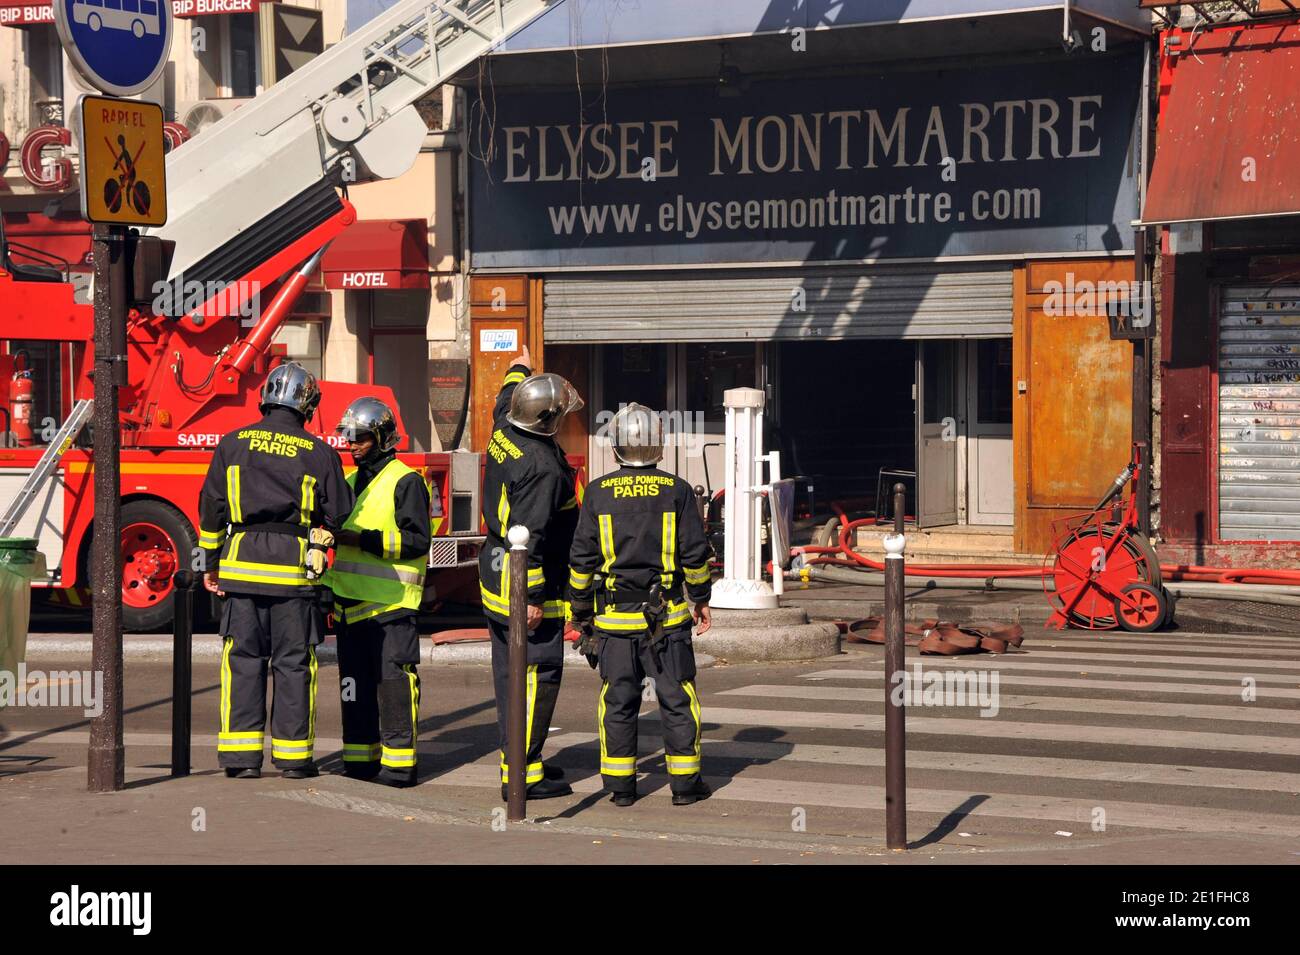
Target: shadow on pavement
[{"x": 950, "y": 822}]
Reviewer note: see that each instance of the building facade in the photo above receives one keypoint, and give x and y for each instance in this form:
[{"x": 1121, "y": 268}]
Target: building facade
[
  {"x": 896, "y": 228},
  {"x": 1225, "y": 194}
]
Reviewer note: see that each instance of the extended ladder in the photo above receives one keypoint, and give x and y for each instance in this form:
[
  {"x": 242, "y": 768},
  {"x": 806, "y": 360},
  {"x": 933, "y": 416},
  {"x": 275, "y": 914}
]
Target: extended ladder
[
  {"x": 348, "y": 115},
  {"x": 45, "y": 467}
]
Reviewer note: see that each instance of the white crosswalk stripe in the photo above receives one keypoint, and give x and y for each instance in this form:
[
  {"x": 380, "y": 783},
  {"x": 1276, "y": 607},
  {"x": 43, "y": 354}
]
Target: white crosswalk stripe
[
  {"x": 1043, "y": 766},
  {"x": 1024, "y": 664},
  {"x": 1183, "y": 650},
  {"x": 1002, "y": 727},
  {"x": 1245, "y": 712},
  {"x": 1132, "y": 686},
  {"x": 1176, "y": 658}
]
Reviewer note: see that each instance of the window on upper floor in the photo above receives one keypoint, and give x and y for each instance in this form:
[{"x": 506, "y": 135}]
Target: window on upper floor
[
  {"x": 227, "y": 49},
  {"x": 43, "y": 58}
]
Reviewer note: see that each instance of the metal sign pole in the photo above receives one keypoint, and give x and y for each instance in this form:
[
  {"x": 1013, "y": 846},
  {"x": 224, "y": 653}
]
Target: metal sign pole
[
  {"x": 895, "y": 685},
  {"x": 516, "y": 717},
  {"x": 106, "y": 770}
]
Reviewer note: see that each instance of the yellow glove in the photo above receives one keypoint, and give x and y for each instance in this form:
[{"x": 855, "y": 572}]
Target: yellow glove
[
  {"x": 319, "y": 540},
  {"x": 316, "y": 563}
]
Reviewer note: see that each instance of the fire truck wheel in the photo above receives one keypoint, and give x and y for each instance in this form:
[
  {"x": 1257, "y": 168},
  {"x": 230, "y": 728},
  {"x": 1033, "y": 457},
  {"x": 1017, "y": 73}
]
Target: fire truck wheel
[{"x": 157, "y": 540}]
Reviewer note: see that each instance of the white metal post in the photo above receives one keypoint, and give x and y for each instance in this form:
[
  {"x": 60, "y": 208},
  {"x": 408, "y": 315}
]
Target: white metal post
[
  {"x": 743, "y": 587},
  {"x": 773, "y": 459}
]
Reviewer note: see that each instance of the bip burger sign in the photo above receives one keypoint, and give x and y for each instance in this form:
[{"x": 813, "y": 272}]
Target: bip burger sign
[
  {"x": 27, "y": 14},
  {"x": 187, "y": 9}
]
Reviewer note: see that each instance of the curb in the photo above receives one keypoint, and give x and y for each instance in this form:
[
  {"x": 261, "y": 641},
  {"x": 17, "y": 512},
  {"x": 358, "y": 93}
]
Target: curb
[
  {"x": 1191, "y": 615},
  {"x": 207, "y": 646},
  {"x": 764, "y": 636}
]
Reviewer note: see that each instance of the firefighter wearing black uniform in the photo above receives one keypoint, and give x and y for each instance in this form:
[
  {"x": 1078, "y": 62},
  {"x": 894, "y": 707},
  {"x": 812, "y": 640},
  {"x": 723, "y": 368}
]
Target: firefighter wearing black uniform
[
  {"x": 378, "y": 582},
  {"x": 639, "y": 539},
  {"x": 268, "y": 486},
  {"x": 528, "y": 481}
]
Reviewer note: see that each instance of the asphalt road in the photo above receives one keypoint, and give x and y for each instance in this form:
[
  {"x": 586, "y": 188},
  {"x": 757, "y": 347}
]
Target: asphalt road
[{"x": 1120, "y": 748}]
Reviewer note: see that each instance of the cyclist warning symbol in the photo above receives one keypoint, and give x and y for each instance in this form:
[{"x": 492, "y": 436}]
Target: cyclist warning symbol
[{"x": 123, "y": 172}]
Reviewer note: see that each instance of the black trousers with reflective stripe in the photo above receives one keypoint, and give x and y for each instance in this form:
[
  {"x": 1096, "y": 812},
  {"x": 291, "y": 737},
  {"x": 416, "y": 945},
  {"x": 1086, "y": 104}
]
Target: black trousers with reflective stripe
[
  {"x": 380, "y": 691},
  {"x": 281, "y": 632},
  {"x": 626, "y": 662},
  {"x": 546, "y": 667}
]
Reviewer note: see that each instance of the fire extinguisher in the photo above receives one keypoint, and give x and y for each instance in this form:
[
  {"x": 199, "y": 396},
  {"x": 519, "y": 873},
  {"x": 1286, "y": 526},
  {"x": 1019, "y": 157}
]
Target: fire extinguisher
[{"x": 20, "y": 401}]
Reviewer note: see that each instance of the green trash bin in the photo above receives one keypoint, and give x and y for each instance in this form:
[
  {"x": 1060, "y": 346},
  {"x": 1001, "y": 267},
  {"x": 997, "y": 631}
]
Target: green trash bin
[{"x": 20, "y": 564}]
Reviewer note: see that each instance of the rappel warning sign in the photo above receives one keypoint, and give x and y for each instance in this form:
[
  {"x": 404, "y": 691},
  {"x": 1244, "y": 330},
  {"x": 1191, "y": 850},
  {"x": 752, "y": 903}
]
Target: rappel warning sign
[{"x": 123, "y": 170}]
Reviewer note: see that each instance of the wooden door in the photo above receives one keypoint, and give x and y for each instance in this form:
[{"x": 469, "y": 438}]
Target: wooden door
[{"x": 1072, "y": 412}]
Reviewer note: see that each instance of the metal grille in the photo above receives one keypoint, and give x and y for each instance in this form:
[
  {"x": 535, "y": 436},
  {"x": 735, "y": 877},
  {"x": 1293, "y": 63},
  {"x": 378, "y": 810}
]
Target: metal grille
[
  {"x": 806, "y": 304},
  {"x": 1259, "y": 413},
  {"x": 442, "y": 552}
]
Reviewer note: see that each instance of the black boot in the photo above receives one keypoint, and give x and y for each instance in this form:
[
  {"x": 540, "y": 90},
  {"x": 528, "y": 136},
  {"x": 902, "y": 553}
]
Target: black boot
[
  {"x": 397, "y": 781},
  {"x": 545, "y": 789},
  {"x": 301, "y": 772},
  {"x": 246, "y": 772},
  {"x": 363, "y": 771},
  {"x": 622, "y": 800},
  {"x": 693, "y": 795},
  {"x": 552, "y": 772}
]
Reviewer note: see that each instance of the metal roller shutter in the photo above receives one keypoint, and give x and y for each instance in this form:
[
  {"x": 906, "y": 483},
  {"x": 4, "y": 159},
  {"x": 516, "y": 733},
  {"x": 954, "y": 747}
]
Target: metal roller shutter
[
  {"x": 1259, "y": 413},
  {"x": 781, "y": 304}
]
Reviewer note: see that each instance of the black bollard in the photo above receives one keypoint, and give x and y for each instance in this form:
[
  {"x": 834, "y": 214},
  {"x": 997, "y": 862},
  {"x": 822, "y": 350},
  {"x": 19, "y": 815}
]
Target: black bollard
[{"x": 183, "y": 583}]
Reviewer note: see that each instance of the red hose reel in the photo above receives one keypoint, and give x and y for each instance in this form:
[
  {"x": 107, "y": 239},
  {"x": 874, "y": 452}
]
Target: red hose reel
[{"x": 1104, "y": 573}]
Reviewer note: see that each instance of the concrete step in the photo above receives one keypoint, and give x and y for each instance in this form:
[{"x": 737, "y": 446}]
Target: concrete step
[
  {"x": 927, "y": 556},
  {"x": 947, "y": 539},
  {"x": 965, "y": 545}
]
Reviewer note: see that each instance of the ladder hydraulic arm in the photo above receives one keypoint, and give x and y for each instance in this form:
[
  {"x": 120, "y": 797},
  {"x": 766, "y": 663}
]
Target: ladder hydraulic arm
[{"x": 264, "y": 176}]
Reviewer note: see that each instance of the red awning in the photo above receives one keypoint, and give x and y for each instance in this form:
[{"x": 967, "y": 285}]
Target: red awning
[
  {"x": 379, "y": 254},
  {"x": 1228, "y": 144},
  {"x": 21, "y": 13}
]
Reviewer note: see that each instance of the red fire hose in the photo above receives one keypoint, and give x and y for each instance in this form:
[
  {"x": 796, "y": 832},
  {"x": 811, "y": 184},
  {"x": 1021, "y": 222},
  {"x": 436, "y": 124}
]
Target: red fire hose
[{"x": 847, "y": 556}]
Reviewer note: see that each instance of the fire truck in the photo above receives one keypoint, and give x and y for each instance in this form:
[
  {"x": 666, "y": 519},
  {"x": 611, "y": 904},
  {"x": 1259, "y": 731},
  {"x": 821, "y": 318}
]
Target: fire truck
[{"x": 251, "y": 213}]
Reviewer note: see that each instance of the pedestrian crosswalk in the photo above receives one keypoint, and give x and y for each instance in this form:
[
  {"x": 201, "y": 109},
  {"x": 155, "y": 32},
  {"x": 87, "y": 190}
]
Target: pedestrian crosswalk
[{"x": 1090, "y": 735}]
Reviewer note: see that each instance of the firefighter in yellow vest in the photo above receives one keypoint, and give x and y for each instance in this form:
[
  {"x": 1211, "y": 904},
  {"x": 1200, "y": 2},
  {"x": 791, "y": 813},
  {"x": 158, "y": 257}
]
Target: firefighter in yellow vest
[{"x": 378, "y": 581}]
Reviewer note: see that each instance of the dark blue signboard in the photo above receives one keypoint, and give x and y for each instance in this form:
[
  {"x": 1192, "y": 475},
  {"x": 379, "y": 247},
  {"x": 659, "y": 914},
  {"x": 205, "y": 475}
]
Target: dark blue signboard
[
  {"x": 119, "y": 46},
  {"x": 1028, "y": 158}
]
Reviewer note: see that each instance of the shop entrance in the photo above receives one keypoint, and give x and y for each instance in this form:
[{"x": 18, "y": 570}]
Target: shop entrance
[
  {"x": 963, "y": 433},
  {"x": 688, "y": 380},
  {"x": 856, "y": 416},
  {"x": 849, "y": 417}
]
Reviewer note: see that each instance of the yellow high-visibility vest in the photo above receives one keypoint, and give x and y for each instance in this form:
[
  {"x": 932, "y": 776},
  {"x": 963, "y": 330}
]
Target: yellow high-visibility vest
[{"x": 383, "y": 583}]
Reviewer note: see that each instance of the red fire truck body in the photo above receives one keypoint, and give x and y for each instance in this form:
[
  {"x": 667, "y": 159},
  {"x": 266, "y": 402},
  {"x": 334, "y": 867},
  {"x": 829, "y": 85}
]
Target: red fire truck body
[{"x": 173, "y": 412}]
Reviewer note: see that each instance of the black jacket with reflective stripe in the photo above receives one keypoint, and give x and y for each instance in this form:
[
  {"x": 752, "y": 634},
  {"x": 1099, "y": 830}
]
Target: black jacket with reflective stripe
[
  {"x": 271, "y": 471},
  {"x": 527, "y": 481},
  {"x": 639, "y": 526}
]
